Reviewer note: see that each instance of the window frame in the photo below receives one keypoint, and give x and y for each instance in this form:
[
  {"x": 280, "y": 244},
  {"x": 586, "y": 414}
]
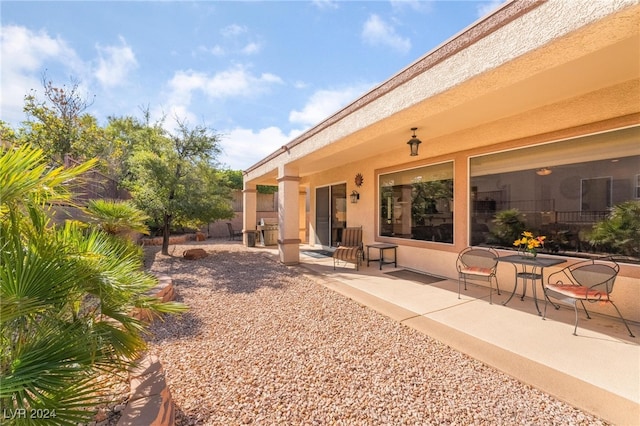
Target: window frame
[
  {"x": 613, "y": 155},
  {"x": 446, "y": 217}
]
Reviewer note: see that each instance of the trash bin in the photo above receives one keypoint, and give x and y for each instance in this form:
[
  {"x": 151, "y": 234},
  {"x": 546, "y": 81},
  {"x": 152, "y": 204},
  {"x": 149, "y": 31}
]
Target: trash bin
[
  {"x": 270, "y": 233},
  {"x": 268, "y": 229},
  {"x": 251, "y": 238}
]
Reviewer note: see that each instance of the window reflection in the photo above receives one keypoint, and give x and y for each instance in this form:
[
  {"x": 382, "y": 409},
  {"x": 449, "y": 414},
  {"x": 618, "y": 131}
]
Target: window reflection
[
  {"x": 417, "y": 203},
  {"x": 562, "y": 190}
]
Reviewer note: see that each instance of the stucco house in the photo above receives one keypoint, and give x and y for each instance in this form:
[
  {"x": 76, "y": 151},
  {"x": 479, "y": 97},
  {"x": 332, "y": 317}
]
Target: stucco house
[{"x": 532, "y": 111}]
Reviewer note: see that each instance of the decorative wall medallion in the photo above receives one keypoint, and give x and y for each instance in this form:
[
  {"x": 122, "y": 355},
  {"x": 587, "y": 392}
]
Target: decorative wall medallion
[{"x": 359, "y": 179}]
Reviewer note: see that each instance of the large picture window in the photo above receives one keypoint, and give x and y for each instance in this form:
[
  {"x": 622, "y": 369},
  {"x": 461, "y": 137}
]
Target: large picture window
[
  {"x": 566, "y": 191},
  {"x": 417, "y": 203}
]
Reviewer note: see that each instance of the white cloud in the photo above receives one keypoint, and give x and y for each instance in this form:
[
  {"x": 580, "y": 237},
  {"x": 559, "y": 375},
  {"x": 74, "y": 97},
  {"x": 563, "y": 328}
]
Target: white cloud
[
  {"x": 114, "y": 64},
  {"x": 217, "y": 50},
  {"x": 170, "y": 115},
  {"x": 236, "y": 40},
  {"x": 233, "y": 82},
  {"x": 484, "y": 9},
  {"x": 326, "y": 4},
  {"x": 233, "y": 30},
  {"x": 377, "y": 32},
  {"x": 24, "y": 54},
  {"x": 251, "y": 48},
  {"x": 243, "y": 148},
  {"x": 299, "y": 84},
  {"x": 325, "y": 103},
  {"x": 23, "y": 49},
  {"x": 415, "y": 5}
]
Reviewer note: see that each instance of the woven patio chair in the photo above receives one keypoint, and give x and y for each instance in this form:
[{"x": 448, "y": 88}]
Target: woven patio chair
[{"x": 350, "y": 249}]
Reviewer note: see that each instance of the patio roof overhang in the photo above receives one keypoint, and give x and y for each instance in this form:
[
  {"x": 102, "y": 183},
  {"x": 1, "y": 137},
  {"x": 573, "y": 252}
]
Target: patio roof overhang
[{"x": 511, "y": 75}]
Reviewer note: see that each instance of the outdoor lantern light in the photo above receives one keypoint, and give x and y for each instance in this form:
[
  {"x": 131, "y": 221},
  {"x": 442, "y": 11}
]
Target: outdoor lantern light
[
  {"x": 355, "y": 196},
  {"x": 414, "y": 142}
]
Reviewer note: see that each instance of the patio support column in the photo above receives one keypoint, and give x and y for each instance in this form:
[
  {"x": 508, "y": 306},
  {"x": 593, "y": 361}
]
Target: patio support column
[
  {"x": 249, "y": 206},
  {"x": 302, "y": 208},
  {"x": 288, "y": 215}
]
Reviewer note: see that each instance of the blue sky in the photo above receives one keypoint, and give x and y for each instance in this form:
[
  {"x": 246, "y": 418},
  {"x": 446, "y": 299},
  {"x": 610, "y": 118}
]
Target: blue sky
[{"x": 258, "y": 73}]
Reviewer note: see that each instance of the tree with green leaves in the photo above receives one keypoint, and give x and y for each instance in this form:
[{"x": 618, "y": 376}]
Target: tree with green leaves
[
  {"x": 59, "y": 125},
  {"x": 234, "y": 177},
  {"x": 123, "y": 135},
  {"x": 7, "y": 134},
  {"x": 173, "y": 178},
  {"x": 67, "y": 295}
]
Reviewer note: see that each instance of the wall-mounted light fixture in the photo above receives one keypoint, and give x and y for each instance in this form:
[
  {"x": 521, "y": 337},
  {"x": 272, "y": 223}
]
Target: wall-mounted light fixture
[
  {"x": 545, "y": 171},
  {"x": 355, "y": 196},
  {"x": 414, "y": 142}
]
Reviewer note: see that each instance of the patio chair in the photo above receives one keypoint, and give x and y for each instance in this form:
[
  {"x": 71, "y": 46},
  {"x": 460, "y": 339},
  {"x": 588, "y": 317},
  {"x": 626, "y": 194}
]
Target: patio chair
[
  {"x": 478, "y": 263},
  {"x": 233, "y": 234},
  {"x": 350, "y": 249},
  {"x": 588, "y": 281}
]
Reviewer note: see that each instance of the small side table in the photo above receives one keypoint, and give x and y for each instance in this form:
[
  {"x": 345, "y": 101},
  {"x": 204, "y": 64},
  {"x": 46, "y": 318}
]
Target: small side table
[{"x": 381, "y": 248}]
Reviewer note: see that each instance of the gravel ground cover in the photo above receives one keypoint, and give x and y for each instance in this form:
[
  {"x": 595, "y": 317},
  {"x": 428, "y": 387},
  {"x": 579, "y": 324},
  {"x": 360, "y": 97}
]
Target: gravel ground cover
[{"x": 266, "y": 344}]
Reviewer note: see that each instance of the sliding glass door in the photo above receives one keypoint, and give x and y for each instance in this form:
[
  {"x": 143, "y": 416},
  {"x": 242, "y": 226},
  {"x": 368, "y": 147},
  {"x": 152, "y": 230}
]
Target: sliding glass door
[{"x": 331, "y": 214}]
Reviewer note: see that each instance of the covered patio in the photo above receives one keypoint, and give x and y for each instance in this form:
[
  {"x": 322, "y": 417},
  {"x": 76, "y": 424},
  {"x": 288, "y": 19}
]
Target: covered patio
[
  {"x": 597, "y": 370},
  {"x": 534, "y": 109}
]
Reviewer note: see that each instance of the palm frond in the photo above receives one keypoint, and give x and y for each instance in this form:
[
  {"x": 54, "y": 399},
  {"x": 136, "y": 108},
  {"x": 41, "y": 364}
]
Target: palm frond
[
  {"x": 48, "y": 372},
  {"x": 118, "y": 217},
  {"x": 24, "y": 174}
]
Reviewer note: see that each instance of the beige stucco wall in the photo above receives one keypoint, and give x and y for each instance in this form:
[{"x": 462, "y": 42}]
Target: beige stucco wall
[{"x": 439, "y": 258}]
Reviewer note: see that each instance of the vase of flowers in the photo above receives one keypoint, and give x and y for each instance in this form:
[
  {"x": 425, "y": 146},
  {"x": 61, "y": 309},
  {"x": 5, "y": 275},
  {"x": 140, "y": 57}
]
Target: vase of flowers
[{"x": 528, "y": 244}]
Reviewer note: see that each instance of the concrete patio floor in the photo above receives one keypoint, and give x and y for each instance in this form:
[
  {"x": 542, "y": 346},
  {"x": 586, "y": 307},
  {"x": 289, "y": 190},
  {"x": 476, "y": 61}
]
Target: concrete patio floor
[{"x": 597, "y": 371}]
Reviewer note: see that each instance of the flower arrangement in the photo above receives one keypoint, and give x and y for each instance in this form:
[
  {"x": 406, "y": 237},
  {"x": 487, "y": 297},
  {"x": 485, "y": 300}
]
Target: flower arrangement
[{"x": 529, "y": 243}]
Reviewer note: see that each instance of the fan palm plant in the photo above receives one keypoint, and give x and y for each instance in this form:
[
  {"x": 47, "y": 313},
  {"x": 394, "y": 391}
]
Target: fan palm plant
[
  {"x": 117, "y": 217},
  {"x": 66, "y": 297}
]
